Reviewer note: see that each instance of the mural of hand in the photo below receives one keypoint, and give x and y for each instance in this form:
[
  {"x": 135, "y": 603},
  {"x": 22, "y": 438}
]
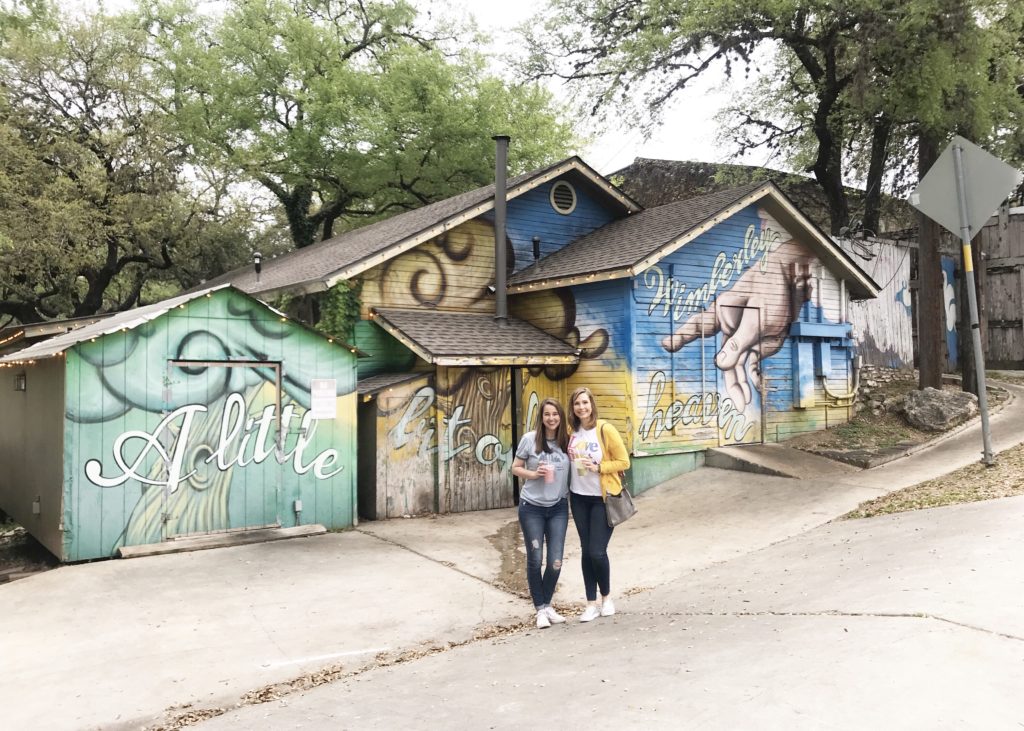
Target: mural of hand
[{"x": 754, "y": 318}]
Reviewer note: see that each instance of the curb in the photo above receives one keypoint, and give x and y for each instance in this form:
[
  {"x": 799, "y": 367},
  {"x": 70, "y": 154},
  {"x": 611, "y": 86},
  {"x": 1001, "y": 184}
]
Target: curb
[
  {"x": 222, "y": 540},
  {"x": 895, "y": 453}
]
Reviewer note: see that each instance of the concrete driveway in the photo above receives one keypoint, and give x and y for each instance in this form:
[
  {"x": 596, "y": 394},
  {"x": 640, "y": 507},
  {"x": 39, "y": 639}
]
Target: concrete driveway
[
  {"x": 910, "y": 621},
  {"x": 127, "y": 644}
]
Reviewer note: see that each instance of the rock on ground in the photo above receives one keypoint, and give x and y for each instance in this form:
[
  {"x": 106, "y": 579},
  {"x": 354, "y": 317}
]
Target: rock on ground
[{"x": 934, "y": 410}]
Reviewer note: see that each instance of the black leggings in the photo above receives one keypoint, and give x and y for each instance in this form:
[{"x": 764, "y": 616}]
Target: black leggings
[{"x": 588, "y": 513}]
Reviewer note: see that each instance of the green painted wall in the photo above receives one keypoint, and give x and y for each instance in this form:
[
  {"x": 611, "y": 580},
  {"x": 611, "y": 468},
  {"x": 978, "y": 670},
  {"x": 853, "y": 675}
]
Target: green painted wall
[
  {"x": 154, "y": 450},
  {"x": 646, "y": 472},
  {"x": 384, "y": 353}
]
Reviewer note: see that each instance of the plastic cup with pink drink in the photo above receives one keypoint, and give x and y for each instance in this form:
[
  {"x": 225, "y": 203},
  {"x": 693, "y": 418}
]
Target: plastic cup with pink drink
[{"x": 546, "y": 468}]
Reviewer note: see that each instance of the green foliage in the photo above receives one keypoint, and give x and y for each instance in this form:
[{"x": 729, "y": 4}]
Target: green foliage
[
  {"x": 343, "y": 111},
  {"x": 157, "y": 148},
  {"x": 850, "y": 85},
  {"x": 339, "y": 310},
  {"x": 97, "y": 208}
]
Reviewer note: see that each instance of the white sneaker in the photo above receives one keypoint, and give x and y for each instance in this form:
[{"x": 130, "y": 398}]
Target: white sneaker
[
  {"x": 607, "y": 608},
  {"x": 590, "y": 613},
  {"x": 542, "y": 620},
  {"x": 554, "y": 616}
]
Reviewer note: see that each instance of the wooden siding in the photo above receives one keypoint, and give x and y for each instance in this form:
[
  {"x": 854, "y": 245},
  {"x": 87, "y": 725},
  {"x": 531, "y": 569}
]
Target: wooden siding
[
  {"x": 406, "y": 450},
  {"x": 883, "y": 327},
  {"x": 730, "y": 296},
  {"x": 384, "y": 353},
  {"x": 532, "y": 214},
  {"x": 124, "y": 398},
  {"x": 450, "y": 272},
  {"x": 596, "y": 318},
  {"x": 474, "y": 414},
  {"x": 1000, "y": 288},
  {"x": 1002, "y": 296}
]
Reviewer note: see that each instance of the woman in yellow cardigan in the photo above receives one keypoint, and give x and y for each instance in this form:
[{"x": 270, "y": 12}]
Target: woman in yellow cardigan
[{"x": 599, "y": 456}]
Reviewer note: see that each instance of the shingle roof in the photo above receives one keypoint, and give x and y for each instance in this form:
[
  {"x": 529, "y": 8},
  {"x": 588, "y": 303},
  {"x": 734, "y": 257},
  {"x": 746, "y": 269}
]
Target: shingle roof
[
  {"x": 320, "y": 266},
  {"x": 657, "y": 182},
  {"x": 628, "y": 246},
  {"x": 373, "y": 384},
  {"x": 628, "y": 241},
  {"x": 457, "y": 338}
]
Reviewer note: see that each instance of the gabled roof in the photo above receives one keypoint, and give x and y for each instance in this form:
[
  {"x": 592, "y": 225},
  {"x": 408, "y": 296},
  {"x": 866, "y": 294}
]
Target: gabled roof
[
  {"x": 19, "y": 337},
  {"x": 629, "y": 246},
  {"x": 320, "y": 266},
  {"x": 463, "y": 339},
  {"x": 127, "y": 320},
  {"x": 655, "y": 182}
]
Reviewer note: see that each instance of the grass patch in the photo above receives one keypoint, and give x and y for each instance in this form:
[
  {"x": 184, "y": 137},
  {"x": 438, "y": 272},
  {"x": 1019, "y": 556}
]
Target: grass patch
[
  {"x": 868, "y": 430},
  {"x": 968, "y": 484}
]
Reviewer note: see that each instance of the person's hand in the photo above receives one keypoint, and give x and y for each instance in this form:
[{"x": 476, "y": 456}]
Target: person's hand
[
  {"x": 748, "y": 339},
  {"x": 591, "y": 465}
]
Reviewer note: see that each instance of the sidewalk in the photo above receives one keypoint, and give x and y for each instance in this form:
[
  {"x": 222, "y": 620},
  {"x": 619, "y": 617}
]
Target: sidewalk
[{"x": 116, "y": 644}]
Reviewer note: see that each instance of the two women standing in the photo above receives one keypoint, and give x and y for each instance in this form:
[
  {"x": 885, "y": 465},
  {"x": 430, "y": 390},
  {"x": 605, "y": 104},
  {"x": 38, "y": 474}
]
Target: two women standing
[{"x": 542, "y": 460}]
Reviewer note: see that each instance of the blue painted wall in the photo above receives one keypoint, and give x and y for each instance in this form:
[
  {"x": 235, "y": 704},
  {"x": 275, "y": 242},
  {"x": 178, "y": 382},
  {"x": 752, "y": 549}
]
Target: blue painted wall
[{"x": 532, "y": 214}]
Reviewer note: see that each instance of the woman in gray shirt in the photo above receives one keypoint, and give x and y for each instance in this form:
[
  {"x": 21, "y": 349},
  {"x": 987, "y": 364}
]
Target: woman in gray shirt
[{"x": 542, "y": 463}]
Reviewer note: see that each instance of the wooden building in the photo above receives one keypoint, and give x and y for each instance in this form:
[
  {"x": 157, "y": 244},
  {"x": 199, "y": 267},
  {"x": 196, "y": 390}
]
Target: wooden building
[
  {"x": 723, "y": 319},
  {"x": 207, "y": 412}
]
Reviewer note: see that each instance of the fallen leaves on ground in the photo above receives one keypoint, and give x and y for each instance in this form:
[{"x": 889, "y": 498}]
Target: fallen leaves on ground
[{"x": 968, "y": 484}]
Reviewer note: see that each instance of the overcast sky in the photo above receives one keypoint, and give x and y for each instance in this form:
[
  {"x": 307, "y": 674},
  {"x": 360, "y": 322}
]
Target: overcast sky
[{"x": 688, "y": 132}]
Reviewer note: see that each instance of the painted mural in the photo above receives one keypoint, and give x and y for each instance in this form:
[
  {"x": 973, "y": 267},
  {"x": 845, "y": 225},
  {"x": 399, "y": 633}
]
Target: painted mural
[
  {"x": 184, "y": 425},
  {"x": 732, "y": 339},
  {"x": 714, "y": 356},
  {"x": 698, "y": 349},
  {"x": 450, "y": 272},
  {"x": 406, "y": 466},
  {"x": 461, "y": 431},
  {"x": 474, "y": 408},
  {"x": 949, "y": 281}
]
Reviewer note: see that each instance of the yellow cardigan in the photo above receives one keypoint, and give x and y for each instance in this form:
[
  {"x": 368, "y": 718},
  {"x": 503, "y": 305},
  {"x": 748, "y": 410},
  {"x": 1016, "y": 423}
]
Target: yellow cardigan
[{"x": 615, "y": 458}]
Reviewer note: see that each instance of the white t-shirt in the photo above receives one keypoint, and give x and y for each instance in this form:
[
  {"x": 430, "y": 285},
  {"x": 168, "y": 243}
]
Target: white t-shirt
[{"x": 585, "y": 442}]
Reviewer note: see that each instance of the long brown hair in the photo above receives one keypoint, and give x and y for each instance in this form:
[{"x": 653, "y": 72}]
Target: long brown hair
[
  {"x": 540, "y": 443},
  {"x": 576, "y": 423}
]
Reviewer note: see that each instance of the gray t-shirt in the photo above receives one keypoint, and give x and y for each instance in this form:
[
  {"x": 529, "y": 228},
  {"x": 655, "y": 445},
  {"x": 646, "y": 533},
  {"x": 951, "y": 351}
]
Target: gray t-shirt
[{"x": 539, "y": 492}]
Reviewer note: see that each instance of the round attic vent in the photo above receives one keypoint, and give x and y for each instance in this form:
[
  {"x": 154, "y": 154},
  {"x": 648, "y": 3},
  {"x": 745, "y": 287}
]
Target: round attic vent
[{"x": 563, "y": 197}]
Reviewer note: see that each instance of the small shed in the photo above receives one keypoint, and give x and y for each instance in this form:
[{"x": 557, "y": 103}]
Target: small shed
[{"x": 204, "y": 413}]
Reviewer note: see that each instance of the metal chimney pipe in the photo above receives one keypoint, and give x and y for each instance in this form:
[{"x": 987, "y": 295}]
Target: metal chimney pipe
[{"x": 500, "y": 259}]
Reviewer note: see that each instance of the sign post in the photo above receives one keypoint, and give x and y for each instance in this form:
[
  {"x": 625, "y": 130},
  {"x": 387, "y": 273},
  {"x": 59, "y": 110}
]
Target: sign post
[{"x": 946, "y": 184}]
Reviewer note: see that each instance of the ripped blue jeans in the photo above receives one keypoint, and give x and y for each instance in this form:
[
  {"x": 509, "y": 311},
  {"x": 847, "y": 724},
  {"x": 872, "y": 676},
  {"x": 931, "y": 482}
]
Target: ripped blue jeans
[{"x": 543, "y": 525}]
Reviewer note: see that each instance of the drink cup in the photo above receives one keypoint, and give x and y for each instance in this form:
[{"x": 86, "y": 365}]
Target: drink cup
[
  {"x": 549, "y": 472},
  {"x": 581, "y": 466}
]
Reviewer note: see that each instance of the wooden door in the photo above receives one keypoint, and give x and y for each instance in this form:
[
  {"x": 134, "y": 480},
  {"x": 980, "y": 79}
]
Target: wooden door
[{"x": 474, "y": 409}]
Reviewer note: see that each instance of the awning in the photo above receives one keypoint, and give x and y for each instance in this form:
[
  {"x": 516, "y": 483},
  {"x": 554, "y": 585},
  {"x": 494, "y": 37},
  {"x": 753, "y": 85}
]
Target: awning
[{"x": 464, "y": 339}]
